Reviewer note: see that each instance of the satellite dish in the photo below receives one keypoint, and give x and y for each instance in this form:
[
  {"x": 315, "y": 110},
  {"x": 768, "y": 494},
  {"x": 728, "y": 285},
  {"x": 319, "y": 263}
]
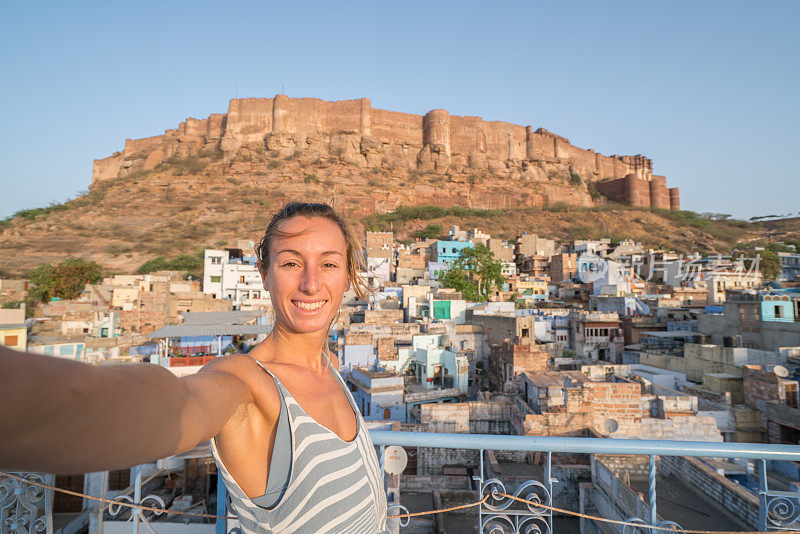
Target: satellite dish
[
  {"x": 394, "y": 459},
  {"x": 781, "y": 371},
  {"x": 611, "y": 426}
]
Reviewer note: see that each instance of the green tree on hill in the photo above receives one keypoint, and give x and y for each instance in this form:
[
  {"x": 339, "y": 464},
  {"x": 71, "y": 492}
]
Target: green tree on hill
[
  {"x": 192, "y": 264},
  {"x": 475, "y": 274},
  {"x": 66, "y": 280},
  {"x": 432, "y": 231}
]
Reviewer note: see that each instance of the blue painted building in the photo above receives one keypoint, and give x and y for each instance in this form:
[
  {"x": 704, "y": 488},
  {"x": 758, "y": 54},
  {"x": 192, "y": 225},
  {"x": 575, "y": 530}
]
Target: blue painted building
[
  {"x": 357, "y": 355},
  {"x": 449, "y": 251},
  {"x": 790, "y": 266},
  {"x": 378, "y": 393},
  {"x": 780, "y": 307}
]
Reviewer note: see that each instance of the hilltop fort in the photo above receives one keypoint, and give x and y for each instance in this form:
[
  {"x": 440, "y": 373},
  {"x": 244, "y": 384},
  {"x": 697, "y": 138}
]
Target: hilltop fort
[{"x": 437, "y": 142}]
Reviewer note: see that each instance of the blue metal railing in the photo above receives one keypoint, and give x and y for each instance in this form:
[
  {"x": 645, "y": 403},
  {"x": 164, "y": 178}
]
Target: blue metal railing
[
  {"x": 777, "y": 510},
  {"x": 647, "y": 447}
]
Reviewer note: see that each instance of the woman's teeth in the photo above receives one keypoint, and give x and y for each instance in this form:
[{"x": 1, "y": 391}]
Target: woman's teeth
[{"x": 308, "y": 306}]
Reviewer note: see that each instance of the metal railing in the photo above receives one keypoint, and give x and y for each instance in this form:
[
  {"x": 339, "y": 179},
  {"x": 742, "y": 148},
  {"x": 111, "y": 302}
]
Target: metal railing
[
  {"x": 26, "y": 508},
  {"x": 777, "y": 510}
]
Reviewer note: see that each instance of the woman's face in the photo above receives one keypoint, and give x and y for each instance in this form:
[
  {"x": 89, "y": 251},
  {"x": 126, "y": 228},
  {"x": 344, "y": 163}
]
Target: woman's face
[{"x": 307, "y": 274}]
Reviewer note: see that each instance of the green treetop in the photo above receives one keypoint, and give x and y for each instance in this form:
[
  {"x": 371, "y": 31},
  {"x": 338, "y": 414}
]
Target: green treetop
[{"x": 475, "y": 274}]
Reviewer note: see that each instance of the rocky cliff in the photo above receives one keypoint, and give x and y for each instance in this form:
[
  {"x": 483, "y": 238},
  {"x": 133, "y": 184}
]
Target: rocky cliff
[{"x": 464, "y": 149}]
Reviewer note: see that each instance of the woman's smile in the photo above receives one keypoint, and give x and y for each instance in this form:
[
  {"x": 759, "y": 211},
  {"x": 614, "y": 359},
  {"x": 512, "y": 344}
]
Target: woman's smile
[{"x": 309, "y": 306}]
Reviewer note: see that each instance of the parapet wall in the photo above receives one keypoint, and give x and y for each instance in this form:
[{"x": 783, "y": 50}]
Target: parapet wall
[{"x": 360, "y": 134}]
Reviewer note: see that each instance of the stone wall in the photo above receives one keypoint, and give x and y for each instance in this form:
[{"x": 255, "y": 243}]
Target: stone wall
[
  {"x": 634, "y": 190},
  {"x": 735, "y": 498},
  {"x": 364, "y": 136}
]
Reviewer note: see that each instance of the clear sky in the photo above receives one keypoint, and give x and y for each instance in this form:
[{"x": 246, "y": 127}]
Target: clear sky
[{"x": 708, "y": 90}]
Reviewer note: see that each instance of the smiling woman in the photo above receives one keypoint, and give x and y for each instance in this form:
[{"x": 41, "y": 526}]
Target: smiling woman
[
  {"x": 318, "y": 471},
  {"x": 284, "y": 430}
]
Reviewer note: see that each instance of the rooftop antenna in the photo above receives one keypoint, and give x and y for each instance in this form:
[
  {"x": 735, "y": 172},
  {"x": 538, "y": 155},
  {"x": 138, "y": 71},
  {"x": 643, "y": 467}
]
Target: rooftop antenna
[{"x": 283, "y": 89}]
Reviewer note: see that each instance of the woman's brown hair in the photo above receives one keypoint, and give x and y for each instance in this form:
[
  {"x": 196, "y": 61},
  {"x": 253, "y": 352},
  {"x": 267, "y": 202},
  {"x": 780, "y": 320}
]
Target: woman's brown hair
[{"x": 355, "y": 254}]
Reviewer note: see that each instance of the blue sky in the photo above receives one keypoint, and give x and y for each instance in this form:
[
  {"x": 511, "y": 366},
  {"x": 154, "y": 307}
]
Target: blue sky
[{"x": 708, "y": 90}]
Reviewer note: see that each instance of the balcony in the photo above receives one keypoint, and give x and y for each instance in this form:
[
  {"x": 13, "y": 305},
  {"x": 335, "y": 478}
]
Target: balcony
[
  {"x": 188, "y": 361},
  {"x": 616, "y": 484}
]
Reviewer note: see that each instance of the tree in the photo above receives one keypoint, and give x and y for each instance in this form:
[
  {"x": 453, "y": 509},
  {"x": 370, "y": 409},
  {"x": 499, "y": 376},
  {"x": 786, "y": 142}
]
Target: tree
[
  {"x": 432, "y": 231},
  {"x": 193, "y": 264},
  {"x": 768, "y": 262},
  {"x": 66, "y": 280},
  {"x": 475, "y": 273}
]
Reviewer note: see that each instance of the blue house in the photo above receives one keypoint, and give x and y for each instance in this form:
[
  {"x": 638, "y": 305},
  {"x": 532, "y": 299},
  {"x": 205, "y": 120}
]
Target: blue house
[
  {"x": 790, "y": 266},
  {"x": 780, "y": 307},
  {"x": 449, "y": 251},
  {"x": 378, "y": 393}
]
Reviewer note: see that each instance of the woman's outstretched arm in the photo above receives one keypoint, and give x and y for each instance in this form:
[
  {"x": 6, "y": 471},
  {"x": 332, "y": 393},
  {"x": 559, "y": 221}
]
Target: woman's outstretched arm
[{"x": 63, "y": 416}]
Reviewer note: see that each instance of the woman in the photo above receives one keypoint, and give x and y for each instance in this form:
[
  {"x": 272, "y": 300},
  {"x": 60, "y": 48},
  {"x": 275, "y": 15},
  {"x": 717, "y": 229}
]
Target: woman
[{"x": 284, "y": 430}]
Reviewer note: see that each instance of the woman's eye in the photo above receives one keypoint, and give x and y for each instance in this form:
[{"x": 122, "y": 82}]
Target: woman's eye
[
  {"x": 330, "y": 265},
  {"x": 289, "y": 264}
]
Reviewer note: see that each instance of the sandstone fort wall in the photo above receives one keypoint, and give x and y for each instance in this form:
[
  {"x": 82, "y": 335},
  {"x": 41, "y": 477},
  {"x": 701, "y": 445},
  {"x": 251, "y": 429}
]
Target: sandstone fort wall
[{"x": 365, "y": 136}]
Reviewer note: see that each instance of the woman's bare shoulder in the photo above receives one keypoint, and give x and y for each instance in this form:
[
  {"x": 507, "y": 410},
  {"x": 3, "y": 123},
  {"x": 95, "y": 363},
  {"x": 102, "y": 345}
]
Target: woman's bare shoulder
[{"x": 244, "y": 369}]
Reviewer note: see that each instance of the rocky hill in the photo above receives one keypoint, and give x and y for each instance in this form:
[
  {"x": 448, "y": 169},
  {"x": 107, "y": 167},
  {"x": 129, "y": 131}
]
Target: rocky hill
[
  {"x": 212, "y": 181},
  {"x": 185, "y": 204},
  {"x": 465, "y": 149}
]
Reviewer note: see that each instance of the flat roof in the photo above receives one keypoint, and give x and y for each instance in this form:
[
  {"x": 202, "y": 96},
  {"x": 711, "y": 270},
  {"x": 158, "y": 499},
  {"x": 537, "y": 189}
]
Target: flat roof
[
  {"x": 182, "y": 330},
  {"x": 219, "y": 318},
  {"x": 671, "y": 333},
  {"x": 548, "y": 379}
]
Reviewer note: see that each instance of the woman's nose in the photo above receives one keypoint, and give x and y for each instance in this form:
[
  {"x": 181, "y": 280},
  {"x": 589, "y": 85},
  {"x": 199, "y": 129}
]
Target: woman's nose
[{"x": 310, "y": 281}]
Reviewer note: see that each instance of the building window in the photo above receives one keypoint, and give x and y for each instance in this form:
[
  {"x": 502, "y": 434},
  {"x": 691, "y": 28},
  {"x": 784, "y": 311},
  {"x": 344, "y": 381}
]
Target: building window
[
  {"x": 11, "y": 341},
  {"x": 66, "y": 350},
  {"x": 215, "y": 260},
  {"x": 215, "y": 279},
  {"x": 48, "y": 350},
  {"x": 386, "y": 413}
]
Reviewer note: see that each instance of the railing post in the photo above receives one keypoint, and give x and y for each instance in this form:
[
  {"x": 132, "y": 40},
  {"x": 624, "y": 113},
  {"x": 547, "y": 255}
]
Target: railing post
[
  {"x": 383, "y": 470},
  {"x": 762, "y": 494},
  {"x": 222, "y": 506},
  {"x": 480, "y": 494},
  {"x": 549, "y": 481},
  {"x": 137, "y": 497},
  {"x": 653, "y": 511}
]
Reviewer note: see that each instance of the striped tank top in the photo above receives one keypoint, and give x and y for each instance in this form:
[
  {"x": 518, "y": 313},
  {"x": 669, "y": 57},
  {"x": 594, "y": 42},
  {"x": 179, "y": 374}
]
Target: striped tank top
[{"x": 333, "y": 485}]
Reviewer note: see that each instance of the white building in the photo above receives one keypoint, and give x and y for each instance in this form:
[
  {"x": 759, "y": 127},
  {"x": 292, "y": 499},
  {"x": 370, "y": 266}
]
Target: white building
[{"x": 227, "y": 274}]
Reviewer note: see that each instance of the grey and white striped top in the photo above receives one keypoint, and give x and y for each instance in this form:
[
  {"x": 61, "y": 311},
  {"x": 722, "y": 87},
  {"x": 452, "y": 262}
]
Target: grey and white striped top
[{"x": 334, "y": 485}]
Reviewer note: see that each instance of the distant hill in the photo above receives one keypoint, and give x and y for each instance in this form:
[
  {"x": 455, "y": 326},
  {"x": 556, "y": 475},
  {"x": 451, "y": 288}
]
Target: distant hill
[{"x": 186, "y": 204}]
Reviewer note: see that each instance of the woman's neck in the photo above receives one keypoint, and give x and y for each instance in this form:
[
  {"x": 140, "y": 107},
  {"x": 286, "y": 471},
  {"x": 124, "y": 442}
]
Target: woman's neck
[{"x": 296, "y": 349}]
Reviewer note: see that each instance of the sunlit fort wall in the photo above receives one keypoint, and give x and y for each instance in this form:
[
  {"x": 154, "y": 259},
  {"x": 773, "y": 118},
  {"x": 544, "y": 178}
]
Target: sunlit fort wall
[{"x": 368, "y": 137}]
